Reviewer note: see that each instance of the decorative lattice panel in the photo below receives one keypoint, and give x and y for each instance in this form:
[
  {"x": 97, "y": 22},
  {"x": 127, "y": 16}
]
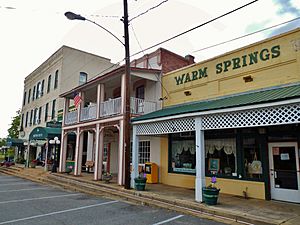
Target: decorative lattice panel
[
  {"x": 166, "y": 126},
  {"x": 285, "y": 114}
]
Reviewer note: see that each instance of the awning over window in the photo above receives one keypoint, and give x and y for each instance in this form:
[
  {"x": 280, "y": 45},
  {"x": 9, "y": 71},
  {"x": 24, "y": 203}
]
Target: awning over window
[
  {"x": 14, "y": 142},
  {"x": 42, "y": 133}
]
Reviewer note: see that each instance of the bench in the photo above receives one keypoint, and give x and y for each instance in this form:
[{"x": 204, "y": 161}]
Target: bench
[{"x": 89, "y": 165}]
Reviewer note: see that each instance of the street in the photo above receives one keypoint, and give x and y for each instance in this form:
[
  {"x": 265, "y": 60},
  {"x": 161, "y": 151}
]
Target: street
[{"x": 24, "y": 202}]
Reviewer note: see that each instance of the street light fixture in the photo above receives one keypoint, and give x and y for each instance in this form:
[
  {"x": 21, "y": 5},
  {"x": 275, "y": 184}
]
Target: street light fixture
[
  {"x": 126, "y": 113},
  {"x": 54, "y": 142}
]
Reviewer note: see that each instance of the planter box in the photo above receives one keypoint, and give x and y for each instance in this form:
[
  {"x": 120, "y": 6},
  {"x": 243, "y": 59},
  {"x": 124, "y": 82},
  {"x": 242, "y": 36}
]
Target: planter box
[
  {"x": 210, "y": 195},
  {"x": 140, "y": 183}
]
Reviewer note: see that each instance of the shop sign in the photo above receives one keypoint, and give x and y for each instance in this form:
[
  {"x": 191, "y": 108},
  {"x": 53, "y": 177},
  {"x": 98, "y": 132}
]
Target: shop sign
[{"x": 252, "y": 58}]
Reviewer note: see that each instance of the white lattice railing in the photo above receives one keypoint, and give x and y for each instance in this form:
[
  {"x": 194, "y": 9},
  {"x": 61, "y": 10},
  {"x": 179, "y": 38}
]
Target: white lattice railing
[
  {"x": 140, "y": 106},
  {"x": 71, "y": 117},
  {"x": 88, "y": 113},
  {"x": 110, "y": 107}
]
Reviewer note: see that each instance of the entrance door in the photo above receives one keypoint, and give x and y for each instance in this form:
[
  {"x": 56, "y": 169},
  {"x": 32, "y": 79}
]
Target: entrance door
[{"x": 284, "y": 171}]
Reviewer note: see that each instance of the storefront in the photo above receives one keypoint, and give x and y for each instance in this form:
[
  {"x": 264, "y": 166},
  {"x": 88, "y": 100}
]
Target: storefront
[{"x": 236, "y": 116}]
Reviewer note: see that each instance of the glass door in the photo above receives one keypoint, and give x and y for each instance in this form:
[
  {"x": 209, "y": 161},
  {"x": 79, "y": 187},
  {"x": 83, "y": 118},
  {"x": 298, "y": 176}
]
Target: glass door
[{"x": 284, "y": 171}]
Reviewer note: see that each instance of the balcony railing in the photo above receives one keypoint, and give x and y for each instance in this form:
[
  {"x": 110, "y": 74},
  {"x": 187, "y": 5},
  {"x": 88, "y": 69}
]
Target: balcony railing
[
  {"x": 88, "y": 113},
  {"x": 71, "y": 117},
  {"x": 111, "y": 107}
]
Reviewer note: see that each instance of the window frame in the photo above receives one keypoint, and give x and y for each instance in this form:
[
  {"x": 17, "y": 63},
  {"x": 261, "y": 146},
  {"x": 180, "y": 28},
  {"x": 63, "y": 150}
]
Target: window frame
[{"x": 56, "y": 79}]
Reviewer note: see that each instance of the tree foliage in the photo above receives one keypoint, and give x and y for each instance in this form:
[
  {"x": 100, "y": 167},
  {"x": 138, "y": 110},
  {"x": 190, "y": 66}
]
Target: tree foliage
[{"x": 13, "y": 131}]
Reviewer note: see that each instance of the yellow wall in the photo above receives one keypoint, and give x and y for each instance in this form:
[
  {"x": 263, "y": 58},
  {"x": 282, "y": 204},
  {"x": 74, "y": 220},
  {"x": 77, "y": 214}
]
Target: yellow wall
[
  {"x": 282, "y": 67},
  {"x": 227, "y": 186}
]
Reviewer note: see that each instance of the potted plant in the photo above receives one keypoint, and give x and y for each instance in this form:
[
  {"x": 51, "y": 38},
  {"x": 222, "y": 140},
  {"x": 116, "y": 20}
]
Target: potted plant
[
  {"x": 106, "y": 176},
  {"x": 140, "y": 182},
  {"x": 211, "y": 192},
  {"x": 33, "y": 163}
]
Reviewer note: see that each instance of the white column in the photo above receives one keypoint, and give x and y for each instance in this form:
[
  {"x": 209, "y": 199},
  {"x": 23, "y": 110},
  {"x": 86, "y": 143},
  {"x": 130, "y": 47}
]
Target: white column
[
  {"x": 76, "y": 172},
  {"x": 121, "y": 154},
  {"x": 63, "y": 152},
  {"x": 100, "y": 98},
  {"x": 80, "y": 153},
  {"x": 81, "y": 104},
  {"x": 90, "y": 145},
  {"x": 96, "y": 172},
  {"x": 135, "y": 161},
  {"x": 200, "y": 160}
]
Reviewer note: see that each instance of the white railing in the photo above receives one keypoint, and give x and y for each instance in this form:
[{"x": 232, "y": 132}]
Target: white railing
[
  {"x": 71, "y": 117},
  {"x": 88, "y": 113},
  {"x": 110, "y": 107},
  {"x": 140, "y": 106}
]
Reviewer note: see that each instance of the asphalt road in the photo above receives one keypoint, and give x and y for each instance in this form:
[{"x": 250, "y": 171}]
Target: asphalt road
[{"x": 24, "y": 202}]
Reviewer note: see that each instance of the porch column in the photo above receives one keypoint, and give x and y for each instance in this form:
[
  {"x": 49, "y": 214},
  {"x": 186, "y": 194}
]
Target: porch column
[
  {"x": 121, "y": 154},
  {"x": 135, "y": 160},
  {"x": 200, "y": 160},
  {"x": 63, "y": 152},
  {"x": 78, "y": 152},
  {"x": 100, "y": 98},
  {"x": 98, "y": 152},
  {"x": 80, "y": 106}
]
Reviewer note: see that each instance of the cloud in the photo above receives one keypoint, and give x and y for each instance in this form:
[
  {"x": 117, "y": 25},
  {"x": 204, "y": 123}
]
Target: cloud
[{"x": 287, "y": 6}]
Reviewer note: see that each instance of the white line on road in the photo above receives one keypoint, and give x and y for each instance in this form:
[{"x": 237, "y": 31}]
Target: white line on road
[
  {"x": 24, "y": 189},
  {"x": 57, "y": 212},
  {"x": 16, "y": 183},
  {"x": 169, "y": 220},
  {"x": 40, "y": 198}
]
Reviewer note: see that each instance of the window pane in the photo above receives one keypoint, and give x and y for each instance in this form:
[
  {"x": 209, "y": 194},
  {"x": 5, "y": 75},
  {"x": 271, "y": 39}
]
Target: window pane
[
  {"x": 82, "y": 78},
  {"x": 252, "y": 158}
]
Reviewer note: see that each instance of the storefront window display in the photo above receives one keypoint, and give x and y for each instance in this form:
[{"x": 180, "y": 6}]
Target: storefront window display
[
  {"x": 182, "y": 155},
  {"x": 252, "y": 158},
  {"x": 221, "y": 156}
]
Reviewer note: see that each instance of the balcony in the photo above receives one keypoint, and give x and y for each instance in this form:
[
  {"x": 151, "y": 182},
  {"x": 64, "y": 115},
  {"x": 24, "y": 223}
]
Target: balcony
[{"x": 109, "y": 108}]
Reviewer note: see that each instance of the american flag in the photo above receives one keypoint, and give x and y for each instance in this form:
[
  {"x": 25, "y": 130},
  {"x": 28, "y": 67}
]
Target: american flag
[{"x": 77, "y": 100}]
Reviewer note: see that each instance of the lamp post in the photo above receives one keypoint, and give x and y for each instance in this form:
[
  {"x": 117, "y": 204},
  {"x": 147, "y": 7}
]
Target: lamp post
[
  {"x": 54, "y": 142},
  {"x": 126, "y": 112}
]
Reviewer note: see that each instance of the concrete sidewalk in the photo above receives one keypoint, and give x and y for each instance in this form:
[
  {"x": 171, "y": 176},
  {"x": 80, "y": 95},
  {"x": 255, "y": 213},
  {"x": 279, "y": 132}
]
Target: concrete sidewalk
[{"x": 231, "y": 209}]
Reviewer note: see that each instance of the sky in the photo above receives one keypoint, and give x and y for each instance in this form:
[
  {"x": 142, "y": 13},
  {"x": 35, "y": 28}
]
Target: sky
[{"x": 32, "y": 30}]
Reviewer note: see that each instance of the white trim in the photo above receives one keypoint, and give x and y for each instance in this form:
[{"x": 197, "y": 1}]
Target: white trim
[{"x": 209, "y": 112}]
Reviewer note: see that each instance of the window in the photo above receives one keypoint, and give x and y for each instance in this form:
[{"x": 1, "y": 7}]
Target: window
[
  {"x": 56, "y": 80},
  {"x": 29, "y": 93},
  {"x": 24, "y": 98},
  {"x": 46, "y": 112},
  {"x": 140, "y": 92},
  {"x": 144, "y": 152},
  {"x": 35, "y": 116},
  {"x": 182, "y": 153},
  {"x": 38, "y": 90},
  {"x": 31, "y": 116},
  {"x": 53, "y": 109},
  {"x": 26, "y": 119},
  {"x": 82, "y": 78},
  {"x": 252, "y": 157},
  {"x": 22, "y": 122},
  {"x": 42, "y": 88},
  {"x": 105, "y": 152},
  {"x": 49, "y": 84},
  {"x": 33, "y": 93},
  {"x": 40, "y": 115}
]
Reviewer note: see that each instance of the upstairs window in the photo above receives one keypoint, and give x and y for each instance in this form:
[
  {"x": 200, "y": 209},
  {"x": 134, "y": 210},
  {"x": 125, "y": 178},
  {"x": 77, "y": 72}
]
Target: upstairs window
[
  {"x": 42, "y": 88},
  {"x": 26, "y": 119},
  {"x": 33, "y": 93},
  {"x": 140, "y": 92},
  {"x": 53, "y": 109},
  {"x": 56, "y": 80},
  {"x": 82, "y": 78},
  {"x": 24, "y": 98},
  {"x": 38, "y": 90},
  {"x": 35, "y": 116},
  {"x": 40, "y": 115},
  {"x": 46, "y": 112},
  {"x": 49, "y": 84},
  {"x": 29, "y": 95},
  {"x": 31, "y": 116}
]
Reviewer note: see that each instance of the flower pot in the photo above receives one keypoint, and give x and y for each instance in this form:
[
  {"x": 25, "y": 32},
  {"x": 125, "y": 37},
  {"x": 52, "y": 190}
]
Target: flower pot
[
  {"x": 140, "y": 183},
  {"x": 210, "y": 195},
  {"x": 106, "y": 178}
]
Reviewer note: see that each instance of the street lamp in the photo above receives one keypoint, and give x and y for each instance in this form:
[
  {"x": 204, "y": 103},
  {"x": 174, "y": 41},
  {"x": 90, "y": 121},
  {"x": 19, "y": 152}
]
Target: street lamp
[
  {"x": 126, "y": 113},
  {"x": 54, "y": 142}
]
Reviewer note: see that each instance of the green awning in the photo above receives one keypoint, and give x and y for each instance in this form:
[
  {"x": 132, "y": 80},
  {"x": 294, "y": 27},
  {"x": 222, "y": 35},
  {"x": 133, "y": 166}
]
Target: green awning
[
  {"x": 243, "y": 99},
  {"x": 14, "y": 142},
  {"x": 42, "y": 133}
]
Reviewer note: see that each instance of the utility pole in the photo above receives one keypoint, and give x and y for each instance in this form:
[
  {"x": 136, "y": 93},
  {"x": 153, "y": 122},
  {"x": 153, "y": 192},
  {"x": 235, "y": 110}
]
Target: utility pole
[{"x": 127, "y": 126}]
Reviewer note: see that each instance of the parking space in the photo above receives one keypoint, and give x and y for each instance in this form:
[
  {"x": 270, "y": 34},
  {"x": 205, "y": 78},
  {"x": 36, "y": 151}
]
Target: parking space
[{"x": 24, "y": 202}]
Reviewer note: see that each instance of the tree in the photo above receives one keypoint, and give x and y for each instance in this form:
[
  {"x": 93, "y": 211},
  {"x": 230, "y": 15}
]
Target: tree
[
  {"x": 13, "y": 131},
  {"x": 2, "y": 142}
]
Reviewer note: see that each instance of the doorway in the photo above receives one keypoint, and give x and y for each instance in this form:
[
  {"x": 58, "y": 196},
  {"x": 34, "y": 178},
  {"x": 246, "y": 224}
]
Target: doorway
[{"x": 284, "y": 171}]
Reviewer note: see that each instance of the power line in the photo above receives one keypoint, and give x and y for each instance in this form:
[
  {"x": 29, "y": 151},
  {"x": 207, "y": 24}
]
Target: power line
[
  {"x": 255, "y": 32},
  {"x": 154, "y": 7},
  {"x": 194, "y": 28}
]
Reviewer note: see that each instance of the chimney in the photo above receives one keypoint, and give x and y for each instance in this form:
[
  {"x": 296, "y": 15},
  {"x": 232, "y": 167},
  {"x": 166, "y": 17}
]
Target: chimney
[{"x": 190, "y": 59}]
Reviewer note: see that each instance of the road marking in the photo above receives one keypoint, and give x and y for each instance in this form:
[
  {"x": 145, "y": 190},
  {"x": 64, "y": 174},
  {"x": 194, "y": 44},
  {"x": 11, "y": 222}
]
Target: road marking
[
  {"x": 15, "y": 183},
  {"x": 32, "y": 199},
  {"x": 169, "y": 220},
  {"x": 57, "y": 212},
  {"x": 24, "y": 189},
  {"x": 13, "y": 179}
]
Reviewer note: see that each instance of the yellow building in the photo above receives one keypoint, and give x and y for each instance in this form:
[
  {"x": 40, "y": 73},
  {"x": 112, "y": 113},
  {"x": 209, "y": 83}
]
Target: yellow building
[{"x": 235, "y": 116}]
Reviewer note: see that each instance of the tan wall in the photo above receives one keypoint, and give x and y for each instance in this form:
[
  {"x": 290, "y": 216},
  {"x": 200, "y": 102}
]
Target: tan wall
[{"x": 282, "y": 67}]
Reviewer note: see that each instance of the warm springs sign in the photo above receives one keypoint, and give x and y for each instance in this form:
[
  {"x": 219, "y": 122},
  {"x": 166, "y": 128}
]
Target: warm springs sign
[{"x": 231, "y": 64}]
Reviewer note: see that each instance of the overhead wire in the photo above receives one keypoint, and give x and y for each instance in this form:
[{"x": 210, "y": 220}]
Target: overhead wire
[{"x": 194, "y": 28}]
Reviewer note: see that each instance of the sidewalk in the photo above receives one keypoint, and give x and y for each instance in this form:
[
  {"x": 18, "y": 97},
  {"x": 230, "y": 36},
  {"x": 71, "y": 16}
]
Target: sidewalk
[{"x": 234, "y": 208}]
